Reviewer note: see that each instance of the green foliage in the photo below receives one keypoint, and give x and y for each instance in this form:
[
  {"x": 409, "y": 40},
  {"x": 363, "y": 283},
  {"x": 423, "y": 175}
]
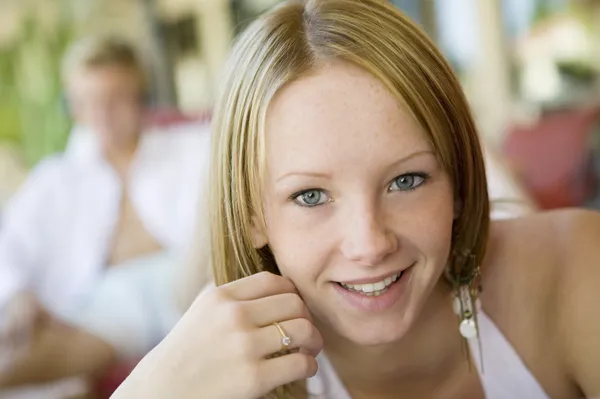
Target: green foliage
[
  {"x": 543, "y": 10},
  {"x": 31, "y": 111}
]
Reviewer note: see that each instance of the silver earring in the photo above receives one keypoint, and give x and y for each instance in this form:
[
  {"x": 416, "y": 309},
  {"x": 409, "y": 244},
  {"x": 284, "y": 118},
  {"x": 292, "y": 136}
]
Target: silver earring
[
  {"x": 465, "y": 308},
  {"x": 466, "y": 290},
  {"x": 467, "y": 287}
]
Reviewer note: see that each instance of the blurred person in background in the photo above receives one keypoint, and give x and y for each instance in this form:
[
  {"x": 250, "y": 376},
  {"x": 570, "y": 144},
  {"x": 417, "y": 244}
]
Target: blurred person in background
[{"x": 89, "y": 243}]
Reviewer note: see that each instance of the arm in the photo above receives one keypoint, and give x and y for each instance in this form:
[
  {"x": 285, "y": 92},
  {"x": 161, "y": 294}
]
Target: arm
[
  {"x": 19, "y": 238},
  {"x": 580, "y": 299},
  {"x": 20, "y": 246},
  {"x": 44, "y": 348},
  {"x": 59, "y": 351}
]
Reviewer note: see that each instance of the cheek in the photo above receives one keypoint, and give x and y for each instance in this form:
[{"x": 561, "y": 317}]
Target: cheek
[
  {"x": 300, "y": 248},
  {"x": 433, "y": 219}
]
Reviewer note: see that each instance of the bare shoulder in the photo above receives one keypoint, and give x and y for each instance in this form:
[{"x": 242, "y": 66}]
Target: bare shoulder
[
  {"x": 548, "y": 245},
  {"x": 542, "y": 288},
  {"x": 524, "y": 252},
  {"x": 561, "y": 246},
  {"x": 578, "y": 240}
]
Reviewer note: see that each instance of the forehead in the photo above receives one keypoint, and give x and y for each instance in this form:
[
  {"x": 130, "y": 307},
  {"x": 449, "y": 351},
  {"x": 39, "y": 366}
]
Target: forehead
[{"x": 339, "y": 113}]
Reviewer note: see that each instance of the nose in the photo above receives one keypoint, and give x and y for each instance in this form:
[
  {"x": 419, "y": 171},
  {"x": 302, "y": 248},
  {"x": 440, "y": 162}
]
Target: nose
[
  {"x": 367, "y": 239},
  {"x": 102, "y": 114}
]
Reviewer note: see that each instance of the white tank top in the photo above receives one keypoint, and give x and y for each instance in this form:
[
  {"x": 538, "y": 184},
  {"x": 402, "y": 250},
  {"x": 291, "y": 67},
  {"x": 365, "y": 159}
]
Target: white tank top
[{"x": 504, "y": 376}]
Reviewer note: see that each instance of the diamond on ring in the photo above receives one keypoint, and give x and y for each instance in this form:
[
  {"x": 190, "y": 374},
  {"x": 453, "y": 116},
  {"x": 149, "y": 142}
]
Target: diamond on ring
[{"x": 285, "y": 340}]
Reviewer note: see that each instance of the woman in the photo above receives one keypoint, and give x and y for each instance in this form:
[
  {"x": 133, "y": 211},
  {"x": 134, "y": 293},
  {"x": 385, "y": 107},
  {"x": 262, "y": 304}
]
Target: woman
[{"x": 347, "y": 170}]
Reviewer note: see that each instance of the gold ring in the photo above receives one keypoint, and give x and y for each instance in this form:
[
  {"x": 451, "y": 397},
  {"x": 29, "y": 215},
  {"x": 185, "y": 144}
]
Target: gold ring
[{"x": 285, "y": 339}]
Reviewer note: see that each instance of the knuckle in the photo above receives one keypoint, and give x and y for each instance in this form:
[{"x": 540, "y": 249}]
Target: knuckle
[
  {"x": 296, "y": 305},
  {"x": 306, "y": 365},
  {"x": 311, "y": 336},
  {"x": 235, "y": 314},
  {"x": 214, "y": 295},
  {"x": 306, "y": 330},
  {"x": 289, "y": 284},
  {"x": 266, "y": 278}
]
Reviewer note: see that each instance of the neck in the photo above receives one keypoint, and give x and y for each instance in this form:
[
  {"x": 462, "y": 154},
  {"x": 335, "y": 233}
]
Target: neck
[
  {"x": 426, "y": 355},
  {"x": 120, "y": 156}
]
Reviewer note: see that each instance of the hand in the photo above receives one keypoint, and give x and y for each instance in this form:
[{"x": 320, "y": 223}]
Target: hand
[
  {"x": 18, "y": 319},
  {"x": 223, "y": 345}
]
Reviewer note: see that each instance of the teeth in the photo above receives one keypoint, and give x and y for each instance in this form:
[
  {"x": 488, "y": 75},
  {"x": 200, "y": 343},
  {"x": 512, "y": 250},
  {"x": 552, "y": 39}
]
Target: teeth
[
  {"x": 367, "y": 287},
  {"x": 373, "y": 289}
]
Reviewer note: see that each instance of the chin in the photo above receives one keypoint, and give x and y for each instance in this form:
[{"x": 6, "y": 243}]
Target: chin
[
  {"x": 375, "y": 333},
  {"x": 367, "y": 329}
]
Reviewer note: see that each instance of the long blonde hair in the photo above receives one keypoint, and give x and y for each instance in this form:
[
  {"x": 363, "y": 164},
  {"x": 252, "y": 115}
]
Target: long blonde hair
[{"x": 292, "y": 40}]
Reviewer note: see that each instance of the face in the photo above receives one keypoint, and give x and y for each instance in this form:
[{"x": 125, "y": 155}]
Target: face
[
  {"x": 107, "y": 100},
  {"x": 358, "y": 211}
]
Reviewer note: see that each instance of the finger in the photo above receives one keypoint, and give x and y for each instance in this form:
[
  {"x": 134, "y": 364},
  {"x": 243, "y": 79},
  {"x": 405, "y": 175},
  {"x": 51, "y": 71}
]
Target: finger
[
  {"x": 258, "y": 286},
  {"x": 302, "y": 334},
  {"x": 286, "y": 369},
  {"x": 266, "y": 311}
]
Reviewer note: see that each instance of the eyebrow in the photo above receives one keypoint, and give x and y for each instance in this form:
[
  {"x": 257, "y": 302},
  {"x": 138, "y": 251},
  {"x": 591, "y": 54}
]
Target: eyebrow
[{"x": 326, "y": 175}]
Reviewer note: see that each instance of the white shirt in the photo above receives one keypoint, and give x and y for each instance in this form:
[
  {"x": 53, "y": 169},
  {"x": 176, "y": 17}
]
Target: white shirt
[
  {"x": 57, "y": 229},
  {"x": 504, "y": 375}
]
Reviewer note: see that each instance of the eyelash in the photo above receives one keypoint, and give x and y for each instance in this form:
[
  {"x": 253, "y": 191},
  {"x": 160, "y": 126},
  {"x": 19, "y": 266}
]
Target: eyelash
[
  {"x": 424, "y": 176},
  {"x": 421, "y": 175},
  {"x": 294, "y": 197}
]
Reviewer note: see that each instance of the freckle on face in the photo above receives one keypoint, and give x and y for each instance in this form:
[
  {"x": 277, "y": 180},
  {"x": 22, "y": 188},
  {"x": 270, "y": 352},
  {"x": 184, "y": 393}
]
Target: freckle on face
[{"x": 339, "y": 130}]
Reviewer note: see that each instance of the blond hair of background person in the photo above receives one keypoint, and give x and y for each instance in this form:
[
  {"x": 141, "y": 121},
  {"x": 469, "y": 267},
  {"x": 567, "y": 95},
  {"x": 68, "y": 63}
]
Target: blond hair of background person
[
  {"x": 92, "y": 238},
  {"x": 349, "y": 199}
]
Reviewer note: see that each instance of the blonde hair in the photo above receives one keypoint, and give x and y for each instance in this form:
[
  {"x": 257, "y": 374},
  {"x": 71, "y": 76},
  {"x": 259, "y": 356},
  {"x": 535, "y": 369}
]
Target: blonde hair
[
  {"x": 293, "y": 40},
  {"x": 101, "y": 51}
]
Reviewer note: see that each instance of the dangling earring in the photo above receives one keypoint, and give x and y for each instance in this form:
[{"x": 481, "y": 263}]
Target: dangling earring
[
  {"x": 467, "y": 286},
  {"x": 465, "y": 308}
]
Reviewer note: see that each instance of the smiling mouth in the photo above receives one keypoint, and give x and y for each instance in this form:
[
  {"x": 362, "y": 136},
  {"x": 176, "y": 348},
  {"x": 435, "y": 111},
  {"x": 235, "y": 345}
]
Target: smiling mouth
[{"x": 373, "y": 289}]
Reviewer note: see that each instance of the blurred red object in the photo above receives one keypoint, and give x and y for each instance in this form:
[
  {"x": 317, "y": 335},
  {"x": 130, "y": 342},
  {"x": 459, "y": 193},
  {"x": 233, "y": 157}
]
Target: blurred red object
[
  {"x": 167, "y": 117},
  {"x": 555, "y": 158},
  {"x": 105, "y": 386}
]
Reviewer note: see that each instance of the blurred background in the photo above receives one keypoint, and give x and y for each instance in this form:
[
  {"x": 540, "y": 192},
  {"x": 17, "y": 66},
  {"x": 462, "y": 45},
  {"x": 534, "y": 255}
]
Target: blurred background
[{"x": 529, "y": 68}]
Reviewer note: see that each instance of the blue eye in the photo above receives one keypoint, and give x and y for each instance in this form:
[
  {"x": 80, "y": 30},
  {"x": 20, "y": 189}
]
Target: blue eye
[
  {"x": 310, "y": 198},
  {"x": 407, "y": 182}
]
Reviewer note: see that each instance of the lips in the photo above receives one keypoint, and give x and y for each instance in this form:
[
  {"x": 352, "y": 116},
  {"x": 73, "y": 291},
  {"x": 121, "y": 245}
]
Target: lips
[
  {"x": 375, "y": 294},
  {"x": 373, "y": 289}
]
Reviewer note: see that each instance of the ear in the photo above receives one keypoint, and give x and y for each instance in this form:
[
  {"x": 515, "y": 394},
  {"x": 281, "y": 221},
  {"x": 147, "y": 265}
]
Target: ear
[{"x": 259, "y": 236}]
